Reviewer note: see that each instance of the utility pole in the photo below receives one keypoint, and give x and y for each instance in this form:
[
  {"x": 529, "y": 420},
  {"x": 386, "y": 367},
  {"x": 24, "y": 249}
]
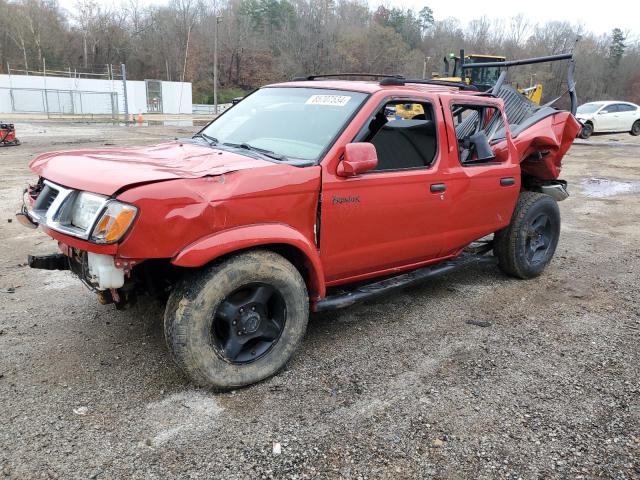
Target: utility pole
[
  {"x": 123, "y": 71},
  {"x": 424, "y": 67},
  {"x": 217, "y": 20},
  {"x": 44, "y": 79}
]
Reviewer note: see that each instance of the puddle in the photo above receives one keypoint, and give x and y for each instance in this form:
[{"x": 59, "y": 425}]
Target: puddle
[{"x": 603, "y": 187}]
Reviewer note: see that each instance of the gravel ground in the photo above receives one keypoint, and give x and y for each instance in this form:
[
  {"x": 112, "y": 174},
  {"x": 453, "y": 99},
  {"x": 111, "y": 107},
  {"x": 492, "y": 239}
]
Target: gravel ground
[{"x": 401, "y": 387}]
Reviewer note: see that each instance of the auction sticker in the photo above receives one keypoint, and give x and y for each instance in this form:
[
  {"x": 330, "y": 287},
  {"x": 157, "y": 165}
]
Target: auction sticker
[{"x": 330, "y": 100}]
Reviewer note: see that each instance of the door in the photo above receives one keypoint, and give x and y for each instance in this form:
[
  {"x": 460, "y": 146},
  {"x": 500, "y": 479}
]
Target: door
[
  {"x": 392, "y": 217},
  {"x": 608, "y": 119},
  {"x": 482, "y": 191},
  {"x": 154, "y": 95},
  {"x": 628, "y": 114}
]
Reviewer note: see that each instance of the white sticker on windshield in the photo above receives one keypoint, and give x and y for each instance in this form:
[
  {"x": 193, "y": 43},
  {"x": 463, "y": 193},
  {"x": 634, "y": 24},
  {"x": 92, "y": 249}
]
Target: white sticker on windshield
[{"x": 330, "y": 100}]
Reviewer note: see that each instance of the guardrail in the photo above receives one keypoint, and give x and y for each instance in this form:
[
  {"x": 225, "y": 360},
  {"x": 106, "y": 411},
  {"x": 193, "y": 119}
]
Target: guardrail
[{"x": 205, "y": 109}]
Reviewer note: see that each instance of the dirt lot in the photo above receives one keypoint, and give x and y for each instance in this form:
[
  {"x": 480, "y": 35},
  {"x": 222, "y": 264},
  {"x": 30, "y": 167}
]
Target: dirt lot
[{"x": 402, "y": 387}]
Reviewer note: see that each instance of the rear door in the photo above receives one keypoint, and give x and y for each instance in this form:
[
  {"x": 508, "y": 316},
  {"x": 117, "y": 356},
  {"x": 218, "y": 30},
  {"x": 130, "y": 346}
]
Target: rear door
[
  {"x": 628, "y": 114},
  {"x": 482, "y": 193}
]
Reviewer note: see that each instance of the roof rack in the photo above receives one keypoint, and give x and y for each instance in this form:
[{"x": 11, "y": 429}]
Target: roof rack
[
  {"x": 330, "y": 75},
  {"x": 389, "y": 80},
  {"x": 443, "y": 83}
]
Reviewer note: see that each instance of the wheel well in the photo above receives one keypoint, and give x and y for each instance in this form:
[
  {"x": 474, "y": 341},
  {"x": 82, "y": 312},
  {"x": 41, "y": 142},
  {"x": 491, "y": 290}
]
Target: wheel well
[{"x": 292, "y": 254}]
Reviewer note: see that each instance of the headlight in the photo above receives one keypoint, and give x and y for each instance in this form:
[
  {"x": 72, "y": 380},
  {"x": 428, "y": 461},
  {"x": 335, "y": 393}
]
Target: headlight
[
  {"x": 114, "y": 222},
  {"x": 85, "y": 208}
]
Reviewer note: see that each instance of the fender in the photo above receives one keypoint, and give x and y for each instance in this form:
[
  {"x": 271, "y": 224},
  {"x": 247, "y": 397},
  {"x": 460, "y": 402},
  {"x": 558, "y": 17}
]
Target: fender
[{"x": 214, "y": 246}]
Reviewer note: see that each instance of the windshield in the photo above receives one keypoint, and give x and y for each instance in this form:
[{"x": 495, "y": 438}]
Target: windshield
[
  {"x": 485, "y": 76},
  {"x": 297, "y": 123},
  {"x": 589, "y": 108}
]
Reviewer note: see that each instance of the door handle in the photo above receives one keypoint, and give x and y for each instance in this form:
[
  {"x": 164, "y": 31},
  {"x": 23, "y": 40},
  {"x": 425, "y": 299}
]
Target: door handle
[
  {"x": 438, "y": 187},
  {"x": 507, "y": 181}
]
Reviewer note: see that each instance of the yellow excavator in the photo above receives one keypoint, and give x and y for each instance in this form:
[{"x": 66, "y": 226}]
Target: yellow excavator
[{"x": 483, "y": 78}]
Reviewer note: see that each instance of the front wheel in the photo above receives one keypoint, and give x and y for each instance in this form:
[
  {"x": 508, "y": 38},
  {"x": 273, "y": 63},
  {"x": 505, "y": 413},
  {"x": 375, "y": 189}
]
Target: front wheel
[
  {"x": 527, "y": 245},
  {"x": 238, "y": 321},
  {"x": 635, "y": 128},
  {"x": 586, "y": 131}
]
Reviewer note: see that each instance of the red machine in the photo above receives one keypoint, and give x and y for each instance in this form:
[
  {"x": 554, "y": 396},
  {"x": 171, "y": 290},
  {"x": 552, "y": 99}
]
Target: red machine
[{"x": 8, "y": 135}]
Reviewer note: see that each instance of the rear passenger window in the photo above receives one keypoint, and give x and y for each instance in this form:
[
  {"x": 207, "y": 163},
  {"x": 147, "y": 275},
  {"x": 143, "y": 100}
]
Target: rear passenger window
[
  {"x": 624, "y": 107},
  {"x": 404, "y": 135},
  {"x": 469, "y": 120}
]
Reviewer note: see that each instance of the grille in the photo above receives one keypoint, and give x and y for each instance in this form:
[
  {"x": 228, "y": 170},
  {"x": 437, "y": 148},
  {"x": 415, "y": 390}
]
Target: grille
[
  {"x": 45, "y": 199},
  {"x": 53, "y": 208}
]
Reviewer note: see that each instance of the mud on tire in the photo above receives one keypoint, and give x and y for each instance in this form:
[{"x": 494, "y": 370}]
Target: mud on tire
[
  {"x": 527, "y": 245},
  {"x": 237, "y": 321}
]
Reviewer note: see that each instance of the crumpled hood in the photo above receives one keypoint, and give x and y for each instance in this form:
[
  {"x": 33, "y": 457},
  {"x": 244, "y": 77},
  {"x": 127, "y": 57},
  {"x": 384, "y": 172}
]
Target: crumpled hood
[
  {"x": 109, "y": 170},
  {"x": 584, "y": 116}
]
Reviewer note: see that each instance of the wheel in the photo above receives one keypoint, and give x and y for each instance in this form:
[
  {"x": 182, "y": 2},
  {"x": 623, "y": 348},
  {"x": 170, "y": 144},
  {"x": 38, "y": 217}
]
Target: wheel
[
  {"x": 238, "y": 321},
  {"x": 527, "y": 245},
  {"x": 635, "y": 128},
  {"x": 586, "y": 131}
]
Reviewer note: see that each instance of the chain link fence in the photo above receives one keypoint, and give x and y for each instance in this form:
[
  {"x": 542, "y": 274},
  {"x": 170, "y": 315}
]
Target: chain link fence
[{"x": 54, "y": 102}]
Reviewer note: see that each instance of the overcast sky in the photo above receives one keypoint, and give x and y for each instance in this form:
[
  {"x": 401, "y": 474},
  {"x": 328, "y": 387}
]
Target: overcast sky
[{"x": 599, "y": 17}]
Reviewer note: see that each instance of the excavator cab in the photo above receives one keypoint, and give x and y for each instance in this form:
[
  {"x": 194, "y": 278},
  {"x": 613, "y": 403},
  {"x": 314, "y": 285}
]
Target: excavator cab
[{"x": 483, "y": 78}]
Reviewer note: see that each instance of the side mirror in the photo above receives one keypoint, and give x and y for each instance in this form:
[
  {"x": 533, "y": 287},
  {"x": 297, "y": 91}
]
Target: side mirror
[
  {"x": 602, "y": 112},
  {"x": 482, "y": 147},
  {"x": 358, "y": 158}
]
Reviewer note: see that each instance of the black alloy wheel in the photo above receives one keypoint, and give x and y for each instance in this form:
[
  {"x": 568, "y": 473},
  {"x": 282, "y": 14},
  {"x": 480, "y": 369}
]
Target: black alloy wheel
[
  {"x": 539, "y": 239},
  {"x": 248, "y": 322}
]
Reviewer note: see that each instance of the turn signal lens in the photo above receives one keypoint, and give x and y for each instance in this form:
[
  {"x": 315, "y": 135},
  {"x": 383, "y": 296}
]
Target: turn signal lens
[{"x": 114, "y": 223}]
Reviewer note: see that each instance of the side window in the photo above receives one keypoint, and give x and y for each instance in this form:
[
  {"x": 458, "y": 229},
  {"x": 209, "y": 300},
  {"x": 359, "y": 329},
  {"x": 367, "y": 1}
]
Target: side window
[
  {"x": 404, "y": 135},
  {"x": 470, "y": 120},
  {"x": 614, "y": 108},
  {"x": 625, "y": 107}
]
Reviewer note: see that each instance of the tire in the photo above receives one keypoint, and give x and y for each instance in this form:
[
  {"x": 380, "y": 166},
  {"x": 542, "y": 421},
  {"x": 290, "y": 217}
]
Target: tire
[
  {"x": 258, "y": 293},
  {"x": 586, "y": 131},
  {"x": 527, "y": 245},
  {"x": 635, "y": 128}
]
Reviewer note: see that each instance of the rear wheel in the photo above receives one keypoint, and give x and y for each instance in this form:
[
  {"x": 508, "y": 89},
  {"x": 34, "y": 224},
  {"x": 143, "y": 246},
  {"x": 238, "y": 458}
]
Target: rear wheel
[
  {"x": 635, "y": 128},
  {"x": 238, "y": 321},
  {"x": 527, "y": 245},
  {"x": 587, "y": 130}
]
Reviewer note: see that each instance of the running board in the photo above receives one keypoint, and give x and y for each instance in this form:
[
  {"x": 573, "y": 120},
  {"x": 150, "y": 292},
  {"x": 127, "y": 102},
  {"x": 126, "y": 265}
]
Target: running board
[{"x": 398, "y": 282}]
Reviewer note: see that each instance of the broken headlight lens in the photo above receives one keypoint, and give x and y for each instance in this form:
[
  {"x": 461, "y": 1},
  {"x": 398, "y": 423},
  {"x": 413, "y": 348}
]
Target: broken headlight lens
[
  {"x": 85, "y": 208},
  {"x": 114, "y": 222}
]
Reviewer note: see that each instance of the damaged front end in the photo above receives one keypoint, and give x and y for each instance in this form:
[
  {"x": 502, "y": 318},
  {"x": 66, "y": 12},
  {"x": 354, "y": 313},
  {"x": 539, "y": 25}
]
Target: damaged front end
[
  {"x": 86, "y": 217},
  {"x": 114, "y": 280}
]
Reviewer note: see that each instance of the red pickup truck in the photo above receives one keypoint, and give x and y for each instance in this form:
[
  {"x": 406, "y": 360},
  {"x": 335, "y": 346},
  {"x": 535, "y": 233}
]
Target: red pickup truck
[{"x": 305, "y": 196}]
